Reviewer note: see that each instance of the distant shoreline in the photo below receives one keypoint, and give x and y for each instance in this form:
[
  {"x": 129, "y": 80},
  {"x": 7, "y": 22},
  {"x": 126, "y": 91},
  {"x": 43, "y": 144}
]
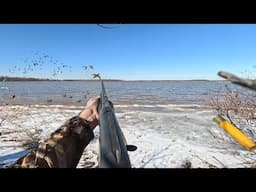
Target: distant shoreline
[{"x": 8, "y": 79}]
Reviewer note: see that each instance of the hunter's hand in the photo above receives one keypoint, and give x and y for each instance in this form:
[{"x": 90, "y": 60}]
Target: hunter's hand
[{"x": 90, "y": 112}]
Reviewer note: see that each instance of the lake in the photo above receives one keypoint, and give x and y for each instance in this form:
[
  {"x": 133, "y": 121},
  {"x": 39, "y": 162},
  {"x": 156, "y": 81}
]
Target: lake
[{"x": 120, "y": 92}]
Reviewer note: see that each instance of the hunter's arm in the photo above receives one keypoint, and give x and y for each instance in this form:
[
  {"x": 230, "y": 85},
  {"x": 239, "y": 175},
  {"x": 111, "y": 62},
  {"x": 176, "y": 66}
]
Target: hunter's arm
[{"x": 64, "y": 147}]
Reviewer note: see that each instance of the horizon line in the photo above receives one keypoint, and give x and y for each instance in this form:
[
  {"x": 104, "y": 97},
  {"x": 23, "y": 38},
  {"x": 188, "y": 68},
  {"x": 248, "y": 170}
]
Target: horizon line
[{"x": 48, "y": 79}]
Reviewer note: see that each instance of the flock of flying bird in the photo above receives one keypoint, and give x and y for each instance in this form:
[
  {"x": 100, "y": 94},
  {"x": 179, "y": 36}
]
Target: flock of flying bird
[{"x": 37, "y": 63}]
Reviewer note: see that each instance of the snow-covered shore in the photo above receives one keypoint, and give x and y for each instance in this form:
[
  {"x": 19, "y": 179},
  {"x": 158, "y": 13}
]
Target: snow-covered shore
[{"x": 167, "y": 136}]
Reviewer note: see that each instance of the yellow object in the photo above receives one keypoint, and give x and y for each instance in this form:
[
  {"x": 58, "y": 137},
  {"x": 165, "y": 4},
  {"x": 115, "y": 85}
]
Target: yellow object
[{"x": 238, "y": 135}]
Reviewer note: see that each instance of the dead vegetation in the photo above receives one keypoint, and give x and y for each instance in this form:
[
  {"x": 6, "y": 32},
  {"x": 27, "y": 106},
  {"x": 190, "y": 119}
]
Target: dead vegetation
[
  {"x": 18, "y": 131},
  {"x": 239, "y": 108},
  {"x": 186, "y": 164}
]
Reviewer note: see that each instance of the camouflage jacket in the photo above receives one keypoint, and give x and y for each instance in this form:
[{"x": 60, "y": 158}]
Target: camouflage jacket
[{"x": 63, "y": 149}]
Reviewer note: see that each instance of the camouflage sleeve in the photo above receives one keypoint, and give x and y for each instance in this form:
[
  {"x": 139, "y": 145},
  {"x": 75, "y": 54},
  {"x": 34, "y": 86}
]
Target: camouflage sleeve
[{"x": 63, "y": 149}]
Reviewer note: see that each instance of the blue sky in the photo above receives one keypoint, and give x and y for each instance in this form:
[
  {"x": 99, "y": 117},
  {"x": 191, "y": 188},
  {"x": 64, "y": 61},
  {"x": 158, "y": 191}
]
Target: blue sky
[{"x": 129, "y": 51}]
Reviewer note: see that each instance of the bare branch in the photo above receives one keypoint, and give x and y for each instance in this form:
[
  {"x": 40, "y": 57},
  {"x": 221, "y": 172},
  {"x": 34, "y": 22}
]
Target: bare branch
[
  {"x": 237, "y": 80},
  {"x": 238, "y": 108}
]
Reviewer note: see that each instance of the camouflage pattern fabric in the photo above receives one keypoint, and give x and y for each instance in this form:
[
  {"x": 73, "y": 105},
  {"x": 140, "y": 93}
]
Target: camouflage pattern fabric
[{"x": 63, "y": 149}]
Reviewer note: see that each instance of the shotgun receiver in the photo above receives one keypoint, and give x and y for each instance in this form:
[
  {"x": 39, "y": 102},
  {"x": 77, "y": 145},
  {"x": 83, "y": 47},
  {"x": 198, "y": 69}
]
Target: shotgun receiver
[{"x": 113, "y": 145}]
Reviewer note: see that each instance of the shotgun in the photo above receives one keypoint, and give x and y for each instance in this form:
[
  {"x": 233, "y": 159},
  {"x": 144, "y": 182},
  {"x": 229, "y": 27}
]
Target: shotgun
[{"x": 113, "y": 145}]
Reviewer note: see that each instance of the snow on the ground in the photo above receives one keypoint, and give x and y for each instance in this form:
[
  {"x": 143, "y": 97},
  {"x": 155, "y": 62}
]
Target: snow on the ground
[{"x": 168, "y": 136}]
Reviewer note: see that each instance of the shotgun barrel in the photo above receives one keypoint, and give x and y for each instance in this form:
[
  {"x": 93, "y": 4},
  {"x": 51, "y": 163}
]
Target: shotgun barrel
[{"x": 113, "y": 146}]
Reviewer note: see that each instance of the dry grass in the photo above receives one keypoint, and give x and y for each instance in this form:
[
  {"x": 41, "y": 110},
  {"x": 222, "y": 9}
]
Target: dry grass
[{"x": 13, "y": 127}]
